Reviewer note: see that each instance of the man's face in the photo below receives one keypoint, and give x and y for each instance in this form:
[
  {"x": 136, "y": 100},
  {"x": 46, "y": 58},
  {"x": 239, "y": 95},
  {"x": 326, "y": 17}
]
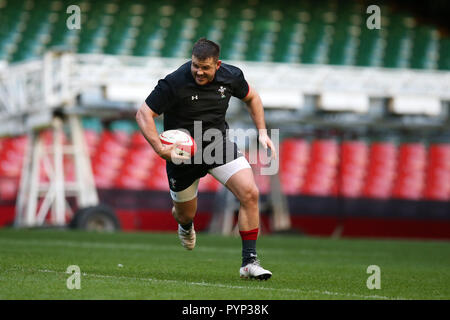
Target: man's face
[{"x": 204, "y": 71}]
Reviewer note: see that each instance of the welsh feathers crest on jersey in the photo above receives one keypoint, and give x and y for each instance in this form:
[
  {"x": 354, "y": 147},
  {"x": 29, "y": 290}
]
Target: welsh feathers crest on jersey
[{"x": 222, "y": 91}]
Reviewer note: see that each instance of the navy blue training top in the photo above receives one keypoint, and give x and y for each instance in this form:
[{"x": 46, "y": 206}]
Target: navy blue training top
[{"x": 183, "y": 101}]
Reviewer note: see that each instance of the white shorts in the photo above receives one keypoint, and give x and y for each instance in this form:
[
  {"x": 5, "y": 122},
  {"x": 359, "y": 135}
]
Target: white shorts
[{"x": 221, "y": 173}]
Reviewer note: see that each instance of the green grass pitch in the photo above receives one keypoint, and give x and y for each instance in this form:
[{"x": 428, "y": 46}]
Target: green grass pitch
[{"x": 33, "y": 265}]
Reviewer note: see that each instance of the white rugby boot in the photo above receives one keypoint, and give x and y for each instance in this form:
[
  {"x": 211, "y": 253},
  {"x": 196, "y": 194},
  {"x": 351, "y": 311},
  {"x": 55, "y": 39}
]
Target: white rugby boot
[
  {"x": 253, "y": 270},
  {"x": 187, "y": 237}
]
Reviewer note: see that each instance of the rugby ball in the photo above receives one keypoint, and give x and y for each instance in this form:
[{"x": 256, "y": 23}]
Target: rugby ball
[{"x": 187, "y": 146}]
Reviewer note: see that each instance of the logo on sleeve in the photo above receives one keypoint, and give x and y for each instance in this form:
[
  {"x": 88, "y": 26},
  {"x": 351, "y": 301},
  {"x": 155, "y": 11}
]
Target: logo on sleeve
[{"x": 222, "y": 91}]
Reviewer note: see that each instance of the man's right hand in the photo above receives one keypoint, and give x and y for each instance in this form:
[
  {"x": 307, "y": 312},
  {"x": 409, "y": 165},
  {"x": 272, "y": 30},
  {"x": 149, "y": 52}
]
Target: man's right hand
[{"x": 169, "y": 153}]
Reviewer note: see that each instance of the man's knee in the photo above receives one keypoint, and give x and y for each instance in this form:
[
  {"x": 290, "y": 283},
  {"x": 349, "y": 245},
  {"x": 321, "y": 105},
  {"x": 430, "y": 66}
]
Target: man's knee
[{"x": 249, "y": 195}]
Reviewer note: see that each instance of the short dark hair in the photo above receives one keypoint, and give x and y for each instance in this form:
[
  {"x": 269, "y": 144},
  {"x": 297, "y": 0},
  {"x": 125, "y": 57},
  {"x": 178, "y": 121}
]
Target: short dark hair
[{"x": 204, "y": 49}]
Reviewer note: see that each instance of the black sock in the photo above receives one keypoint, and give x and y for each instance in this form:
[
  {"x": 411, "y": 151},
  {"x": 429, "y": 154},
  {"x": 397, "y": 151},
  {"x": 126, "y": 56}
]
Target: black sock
[
  {"x": 248, "y": 251},
  {"x": 249, "y": 245},
  {"x": 186, "y": 226}
]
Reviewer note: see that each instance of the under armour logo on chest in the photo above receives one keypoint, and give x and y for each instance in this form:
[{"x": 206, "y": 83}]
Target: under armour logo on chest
[{"x": 194, "y": 97}]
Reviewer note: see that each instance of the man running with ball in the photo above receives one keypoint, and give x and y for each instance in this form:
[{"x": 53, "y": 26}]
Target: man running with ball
[{"x": 200, "y": 90}]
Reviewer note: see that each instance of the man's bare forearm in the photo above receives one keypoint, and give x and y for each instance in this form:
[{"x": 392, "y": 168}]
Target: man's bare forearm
[
  {"x": 146, "y": 123},
  {"x": 256, "y": 111}
]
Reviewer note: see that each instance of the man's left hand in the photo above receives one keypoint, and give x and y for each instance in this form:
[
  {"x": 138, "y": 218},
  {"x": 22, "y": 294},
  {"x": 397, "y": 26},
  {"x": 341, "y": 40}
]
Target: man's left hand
[{"x": 266, "y": 142}]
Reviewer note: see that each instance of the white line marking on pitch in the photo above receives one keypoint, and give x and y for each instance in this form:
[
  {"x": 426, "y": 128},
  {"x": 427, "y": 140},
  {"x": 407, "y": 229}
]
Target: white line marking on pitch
[
  {"x": 84, "y": 244},
  {"x": 218, "y": 285}
]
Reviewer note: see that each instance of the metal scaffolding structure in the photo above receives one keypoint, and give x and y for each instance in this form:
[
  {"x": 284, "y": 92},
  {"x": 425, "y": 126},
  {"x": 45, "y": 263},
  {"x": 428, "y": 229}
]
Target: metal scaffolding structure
[
  {"x": 41, "y": 203},
  {"x": 35, "y": 96}
]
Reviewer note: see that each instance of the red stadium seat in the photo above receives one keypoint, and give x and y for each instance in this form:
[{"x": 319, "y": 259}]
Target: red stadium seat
[
  {"x": 138, "y": 140},
  {"x": 157, "y": 179},
  {"x": 410, "y": 171},
  {"x": 381, "y": 170},
  {"x": 121, "y": 137},
  {"x": 92, "y": 139},
  {"x": 11, "y": 156},
  {"x": 353, "y": 163},
  {"x": 104, "y": 182},
  {"x": 437, "y": 181},
  {"x": 9, "y": 188},
  {"x": 322, "y": 168},
  {"x": 157, "y": 182},
  {"x": 294, "y": 157},
  {"x": 128, "y": 182},
  {"x": 135, "y": 169},
  {"x": 111, "y": 147}
]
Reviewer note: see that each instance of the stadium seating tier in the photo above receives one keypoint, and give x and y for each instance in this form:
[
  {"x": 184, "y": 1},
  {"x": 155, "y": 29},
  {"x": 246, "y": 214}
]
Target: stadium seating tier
[{"x": 320, "y": 32}]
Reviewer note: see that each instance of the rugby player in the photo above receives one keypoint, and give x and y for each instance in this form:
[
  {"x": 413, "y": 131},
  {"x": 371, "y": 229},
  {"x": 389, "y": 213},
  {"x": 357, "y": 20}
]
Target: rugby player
[{"x": 200, "y": 90}]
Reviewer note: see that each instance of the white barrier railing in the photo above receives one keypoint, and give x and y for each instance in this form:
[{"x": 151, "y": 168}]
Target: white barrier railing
[{"x": 280, "y": 84}]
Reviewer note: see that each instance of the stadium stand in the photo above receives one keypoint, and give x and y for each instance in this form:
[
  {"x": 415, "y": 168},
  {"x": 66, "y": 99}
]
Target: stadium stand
[
  {"x": 324, "y": 32},
  {"x": 379, "y": 170}
]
